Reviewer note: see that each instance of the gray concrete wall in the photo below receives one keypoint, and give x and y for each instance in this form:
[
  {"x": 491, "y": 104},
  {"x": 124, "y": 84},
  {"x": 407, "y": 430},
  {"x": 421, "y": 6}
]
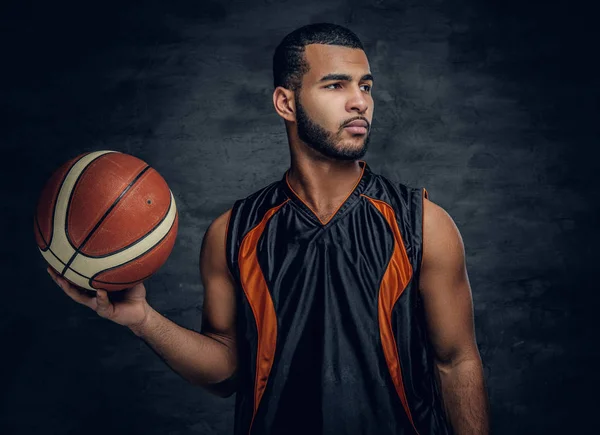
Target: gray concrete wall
[{"x": 493, "y": 107}]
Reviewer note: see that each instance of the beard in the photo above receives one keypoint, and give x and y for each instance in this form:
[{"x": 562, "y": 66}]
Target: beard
[{"x": 325, "y": 142}]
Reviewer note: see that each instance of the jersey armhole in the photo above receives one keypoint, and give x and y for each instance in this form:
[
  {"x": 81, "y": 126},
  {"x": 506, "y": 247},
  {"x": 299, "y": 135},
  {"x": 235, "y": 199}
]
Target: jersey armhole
[
  {"x": 425, "y": 195},
  {"x": 229, "y": 246},
  {"x": 227, "y": 253}
]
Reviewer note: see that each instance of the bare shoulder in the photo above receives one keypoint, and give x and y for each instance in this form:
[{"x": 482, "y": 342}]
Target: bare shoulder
[
  {"x": 212, "y": 254},
  {"x": 218, "y": 228},
  {"x": 445, "y": 288},
  {"x": 218, "y": 312},
  {"x": 436, "y": 218},
  {"x": 442, "y": 241},
  {"x": 219, "y": 225}
]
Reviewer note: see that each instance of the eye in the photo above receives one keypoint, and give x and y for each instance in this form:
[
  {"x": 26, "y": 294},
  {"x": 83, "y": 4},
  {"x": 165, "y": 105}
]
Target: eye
[
  {"x": 367, "y": 86},
  {"x": 333, "y": 84}
]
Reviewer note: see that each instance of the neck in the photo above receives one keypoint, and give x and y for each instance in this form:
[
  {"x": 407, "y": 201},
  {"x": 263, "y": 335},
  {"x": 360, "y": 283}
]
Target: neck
[{"x": 323, "y": 183}]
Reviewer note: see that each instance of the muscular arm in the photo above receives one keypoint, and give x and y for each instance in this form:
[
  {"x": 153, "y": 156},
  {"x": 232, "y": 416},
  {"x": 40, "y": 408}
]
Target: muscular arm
[
  {"x": 444, "y": 286},
  {"x": 207, "y": 359}
]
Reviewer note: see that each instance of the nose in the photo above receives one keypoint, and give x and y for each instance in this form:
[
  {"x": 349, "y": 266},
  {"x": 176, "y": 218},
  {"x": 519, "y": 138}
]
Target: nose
[{"x": 357, "y": 102}]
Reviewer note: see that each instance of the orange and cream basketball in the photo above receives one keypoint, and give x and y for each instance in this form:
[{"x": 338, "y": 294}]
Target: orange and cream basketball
[{"x": 106, "y": 220}]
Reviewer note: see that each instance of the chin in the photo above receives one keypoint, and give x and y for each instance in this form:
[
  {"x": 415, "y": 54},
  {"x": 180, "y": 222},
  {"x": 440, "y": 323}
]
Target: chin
[
  {"x": 350, "y": 152},
  {"x": 351, "y": 145}
]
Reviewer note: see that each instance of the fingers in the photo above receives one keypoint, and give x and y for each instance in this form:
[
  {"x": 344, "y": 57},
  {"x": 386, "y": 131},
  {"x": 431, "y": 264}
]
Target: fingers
[
  {"x": 104, "y": 307},
  {"x": 138, "y": 291},
  {"x": 71, "y": 290}
]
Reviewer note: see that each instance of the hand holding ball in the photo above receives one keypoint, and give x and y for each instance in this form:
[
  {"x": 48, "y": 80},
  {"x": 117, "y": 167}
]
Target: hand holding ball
[{"x": 106, "y": 220}]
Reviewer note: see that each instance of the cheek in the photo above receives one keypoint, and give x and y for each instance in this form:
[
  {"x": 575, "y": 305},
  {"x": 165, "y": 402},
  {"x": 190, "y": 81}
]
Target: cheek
[{"x": 330, "y": 112}]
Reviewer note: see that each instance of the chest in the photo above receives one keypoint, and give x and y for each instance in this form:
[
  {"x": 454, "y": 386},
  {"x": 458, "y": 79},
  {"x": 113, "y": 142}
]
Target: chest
[{"x": 351, "y": 254}]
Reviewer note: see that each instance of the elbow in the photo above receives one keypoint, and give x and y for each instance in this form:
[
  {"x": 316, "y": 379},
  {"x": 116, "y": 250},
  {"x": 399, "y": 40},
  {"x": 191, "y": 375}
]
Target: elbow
[
  {"x": 450, "y": 360},
  {"x": 223, "y": 389}
]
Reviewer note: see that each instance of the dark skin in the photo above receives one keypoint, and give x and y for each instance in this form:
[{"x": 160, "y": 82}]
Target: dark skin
[
  {"x": 446, "y": 292},
  {"x": 209, "y": 358},
  {"x": 322, "y": 182}
]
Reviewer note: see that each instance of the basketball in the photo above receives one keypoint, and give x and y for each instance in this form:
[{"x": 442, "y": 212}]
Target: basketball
[{"x": 106, "y": 220}]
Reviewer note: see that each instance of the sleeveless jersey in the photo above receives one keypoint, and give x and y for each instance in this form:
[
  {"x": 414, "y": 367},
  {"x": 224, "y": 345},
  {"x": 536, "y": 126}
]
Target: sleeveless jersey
[{"x": 331, "y": 331}]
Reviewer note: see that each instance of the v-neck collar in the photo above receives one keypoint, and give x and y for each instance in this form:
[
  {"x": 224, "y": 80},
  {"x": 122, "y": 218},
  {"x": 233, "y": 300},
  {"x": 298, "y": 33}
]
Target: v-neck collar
[{"x": 350, "y": 200}]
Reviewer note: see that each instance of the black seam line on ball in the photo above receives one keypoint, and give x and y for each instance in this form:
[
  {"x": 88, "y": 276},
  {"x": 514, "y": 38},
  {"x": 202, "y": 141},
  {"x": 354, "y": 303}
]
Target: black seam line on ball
[
  {"x": 39, "y": 228},
  {"x": 115, "y": 283},
  {"x": 142, "y": 238},
  {"x": 83, "y": 171},
  {"x": 56, "y": 256},
  {"x": 114, "y": 204},
  {"x": 93, "y": 278},
  {"x": 107, "y": 282}
]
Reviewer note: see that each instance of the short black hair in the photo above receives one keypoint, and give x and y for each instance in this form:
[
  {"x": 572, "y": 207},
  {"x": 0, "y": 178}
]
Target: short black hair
[{"x": 289, "y": 63}]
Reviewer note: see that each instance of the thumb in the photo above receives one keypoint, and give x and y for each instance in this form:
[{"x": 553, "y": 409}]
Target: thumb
[{"x": 104, "y": 307}]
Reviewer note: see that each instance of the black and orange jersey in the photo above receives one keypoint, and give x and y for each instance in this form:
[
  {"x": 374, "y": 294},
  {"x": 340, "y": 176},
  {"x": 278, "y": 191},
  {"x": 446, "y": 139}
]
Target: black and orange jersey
[{"x": 330, "y": 325}]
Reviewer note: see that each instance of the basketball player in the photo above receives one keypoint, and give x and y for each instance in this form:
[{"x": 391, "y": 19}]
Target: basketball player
[{"x": 336, "y": 301}]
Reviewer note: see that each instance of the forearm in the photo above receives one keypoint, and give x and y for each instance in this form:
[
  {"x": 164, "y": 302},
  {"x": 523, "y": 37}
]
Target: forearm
[
  {"x": 198, "y": 358},
  {"x": 465, "y": 397}
]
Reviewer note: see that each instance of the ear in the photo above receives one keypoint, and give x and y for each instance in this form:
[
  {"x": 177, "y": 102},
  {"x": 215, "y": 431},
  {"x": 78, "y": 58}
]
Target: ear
[{"x": 285, "y": 103}]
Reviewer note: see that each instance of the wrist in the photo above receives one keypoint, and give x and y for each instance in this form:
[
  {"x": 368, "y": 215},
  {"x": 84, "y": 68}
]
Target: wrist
[{"x": 140, "y": 328}]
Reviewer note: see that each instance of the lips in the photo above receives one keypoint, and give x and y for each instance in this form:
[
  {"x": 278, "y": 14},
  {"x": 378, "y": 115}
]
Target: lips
[{"x": 357, "y": 126}]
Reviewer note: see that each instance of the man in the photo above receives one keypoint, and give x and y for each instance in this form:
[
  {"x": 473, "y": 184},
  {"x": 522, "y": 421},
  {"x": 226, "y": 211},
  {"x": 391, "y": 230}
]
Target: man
[{"x": 336, "y": 301}]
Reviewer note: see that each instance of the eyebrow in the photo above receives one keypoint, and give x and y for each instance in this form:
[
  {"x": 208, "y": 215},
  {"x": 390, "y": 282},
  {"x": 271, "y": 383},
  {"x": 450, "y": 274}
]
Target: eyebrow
[{"x": 344, "y": 77}]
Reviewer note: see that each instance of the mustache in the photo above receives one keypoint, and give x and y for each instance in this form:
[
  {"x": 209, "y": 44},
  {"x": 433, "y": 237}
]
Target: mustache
[{"x": 357, "y": 118}]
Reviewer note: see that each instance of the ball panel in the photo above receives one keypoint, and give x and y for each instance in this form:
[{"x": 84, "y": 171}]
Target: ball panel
[
  {"x": 60, "y": 245},
  {"x": 91, "y": 266},
  {"x": 47, "y": 202},
  {"x": 96, "y": 190},
  {"x": 140, "y": 268},
  {"x": 115, "y": 287},
  {"x": 136, "y": 258},
  {"x": 138, "y": 212}
]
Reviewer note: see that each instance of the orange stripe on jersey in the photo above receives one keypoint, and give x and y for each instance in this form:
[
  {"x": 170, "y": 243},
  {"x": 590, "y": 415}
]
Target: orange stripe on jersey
[
  {"x": 259, "y": 298},
  {"x": 396, "y": 278}
]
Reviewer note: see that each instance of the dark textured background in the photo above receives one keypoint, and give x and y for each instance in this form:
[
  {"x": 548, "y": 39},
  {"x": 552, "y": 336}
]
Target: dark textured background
[{"x": 492, "y": 106}]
